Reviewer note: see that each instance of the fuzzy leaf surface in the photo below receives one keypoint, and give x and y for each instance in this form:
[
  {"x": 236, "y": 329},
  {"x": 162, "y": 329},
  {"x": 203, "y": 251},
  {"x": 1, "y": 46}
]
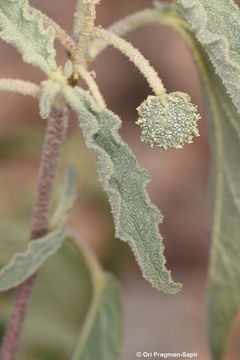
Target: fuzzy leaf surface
[
  {"x": 224, "y": 129},
  {"x": 67, "y": 196},
  {"x": 224, "y": 273},
  {"x": 65, "y": 306},
  {"x": 101, "y": 334},
  {"x": 25, "y": 264},
  {"x": 25, "y": 31},
  {"x": 136, "y": 219},
  {"x": 216, "y": 26}
]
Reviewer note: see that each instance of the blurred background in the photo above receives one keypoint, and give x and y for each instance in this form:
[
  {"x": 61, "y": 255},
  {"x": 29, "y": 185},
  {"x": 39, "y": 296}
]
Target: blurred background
[{"x": 179, "y": 187}]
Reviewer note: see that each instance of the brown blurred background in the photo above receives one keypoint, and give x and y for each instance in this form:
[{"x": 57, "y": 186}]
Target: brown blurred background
[{"x": 153, "y": 321}]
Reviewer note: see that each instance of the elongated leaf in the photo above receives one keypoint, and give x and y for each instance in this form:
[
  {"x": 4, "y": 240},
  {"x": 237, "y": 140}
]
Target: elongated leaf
[
  {"x": 26, "y": 32},
  {"x": 59, "y": 304},
  {"x": 13, "y": 239},
  {"x": 224, "y": 127},
  {"x": 100, "y": 337},
  {"x": 25, "y": 264},
  {"x": 216, "y": 26},
  {"x": 224, "y": 280},
  {"x": 67, "y": 196},
  {"x": 79, "y": 300},
  {"x": 136, "y": 219}
]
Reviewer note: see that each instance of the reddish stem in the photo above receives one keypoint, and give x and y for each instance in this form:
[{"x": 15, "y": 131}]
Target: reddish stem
[{"x": 54, "y": 139}]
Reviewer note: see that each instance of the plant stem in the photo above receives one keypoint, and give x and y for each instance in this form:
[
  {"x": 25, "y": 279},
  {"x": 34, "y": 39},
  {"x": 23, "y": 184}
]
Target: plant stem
[
  {"x": 92, "y": 85},
  {"x": 134, "y": 56},
  {"x": 126, "y": 25},
  {"x": 134, "y": 21},
  {"x": 54, "y": 139},
  {"x": 84, "y": 19},
  {"x": 20, "y": 87}
]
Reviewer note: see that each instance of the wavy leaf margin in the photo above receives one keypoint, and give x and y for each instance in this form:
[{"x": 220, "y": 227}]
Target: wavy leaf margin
[
  {"x": 224, "y": 128},
  {"x": 25, "y": 264},
  {"x": 216, "y": 24},
  {"x": 26, "y": 32},
  {"x": 136, "y": 219}
]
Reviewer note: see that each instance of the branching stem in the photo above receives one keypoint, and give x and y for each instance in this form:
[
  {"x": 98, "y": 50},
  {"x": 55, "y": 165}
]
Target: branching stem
[{"x": 54, "y": 139}]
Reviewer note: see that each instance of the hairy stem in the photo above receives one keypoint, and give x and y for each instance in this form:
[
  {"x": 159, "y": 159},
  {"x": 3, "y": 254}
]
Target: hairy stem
[
  {"x": 54, "y": 139},
  {"x": 92, "y": 85},
  {"x": 132, "y": 22},
  {"x": 84, "y": 19},
  {"x": 20, "y": 87},
  {"x": 134, "y": 56},
  {"x": 124, "y": 26}
]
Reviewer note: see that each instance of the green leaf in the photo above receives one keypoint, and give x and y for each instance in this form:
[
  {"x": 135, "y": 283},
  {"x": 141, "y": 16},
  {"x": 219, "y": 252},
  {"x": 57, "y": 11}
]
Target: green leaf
[
  {"x": 136, "y": 219},
  {"x": 224, "y": 273},
  {"x": 67, "y": 197},
  {"x": 81, "y": 298},
  {"x": 65, "y": 279},
  {"x": 25, "y": 264},
  {"x": 224, "y": 128},
  {"x": 216, "y": 25},
  {"x": 100, "y": 337},
  {"x": 14, "y": 235},
  {"x": 26, "y": 32}
]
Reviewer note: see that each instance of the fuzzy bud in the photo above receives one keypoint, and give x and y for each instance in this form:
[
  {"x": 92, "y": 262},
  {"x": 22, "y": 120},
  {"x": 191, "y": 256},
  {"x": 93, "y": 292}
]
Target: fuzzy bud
[{"x": 168, "y": 120}]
